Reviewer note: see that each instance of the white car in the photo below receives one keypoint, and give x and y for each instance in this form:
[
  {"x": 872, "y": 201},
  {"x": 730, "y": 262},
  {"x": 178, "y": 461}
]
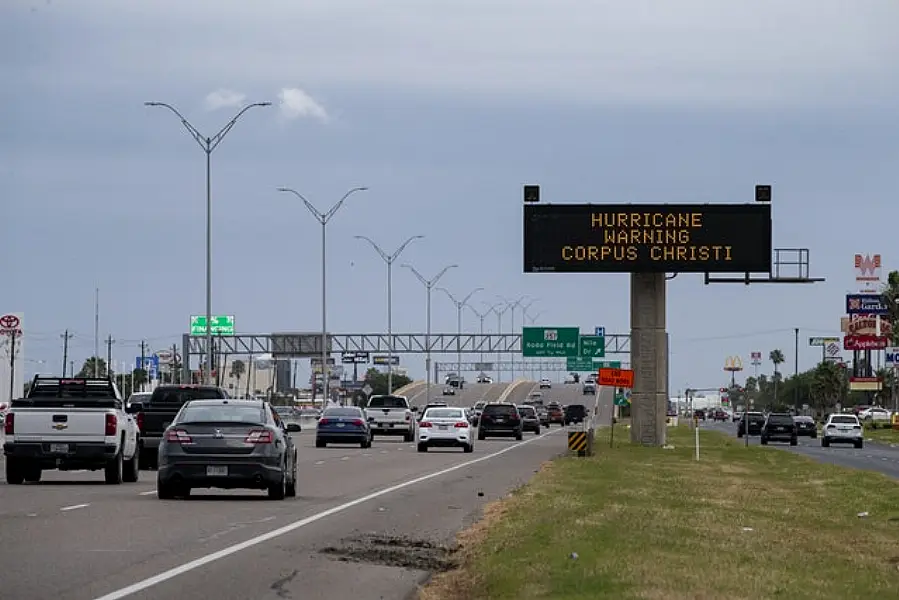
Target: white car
[
  {"x": 445, "y": 427},
  {"x": 842, "y": 429},
  {"x": 875, "y": 415},
  {"x": 545, "y": 383}
]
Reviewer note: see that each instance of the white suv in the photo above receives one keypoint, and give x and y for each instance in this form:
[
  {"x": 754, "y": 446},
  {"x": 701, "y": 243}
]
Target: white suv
[
  {"x": 545, "y": 383},
  {"x": 843, "y": 429}
]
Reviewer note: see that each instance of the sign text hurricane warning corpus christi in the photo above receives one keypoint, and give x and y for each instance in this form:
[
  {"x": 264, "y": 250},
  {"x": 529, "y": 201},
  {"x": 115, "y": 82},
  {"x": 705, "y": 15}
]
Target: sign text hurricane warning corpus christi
[{"x": 648, "y": 238}]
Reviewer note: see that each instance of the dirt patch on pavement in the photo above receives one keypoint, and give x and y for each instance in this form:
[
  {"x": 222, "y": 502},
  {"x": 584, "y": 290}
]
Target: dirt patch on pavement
[
  {"x": 394, "y": 551},
  {"x": 446, "y": 584}
]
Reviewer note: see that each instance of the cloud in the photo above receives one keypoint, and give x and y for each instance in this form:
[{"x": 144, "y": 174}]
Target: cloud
[
  {"x": 294, "y": 103},
  {"x": 223, "y": 98}
]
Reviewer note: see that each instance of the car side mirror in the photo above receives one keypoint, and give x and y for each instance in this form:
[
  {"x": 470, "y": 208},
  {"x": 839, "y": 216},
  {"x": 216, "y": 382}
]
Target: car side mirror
[
  {"x": 134, "y": 408},
  {"x": 294, "y": 428}
]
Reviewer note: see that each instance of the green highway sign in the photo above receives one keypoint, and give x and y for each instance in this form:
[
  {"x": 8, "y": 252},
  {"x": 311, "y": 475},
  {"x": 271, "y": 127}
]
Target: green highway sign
[
  {"x": 592, "y": 346},
  {"x": 622, "y": 399},
  {"x": 221, "y": 325},
  {"x": 607, "y": 364},
  {"x": 579, "y": 364},
  {"x": 550, "y": 341}
]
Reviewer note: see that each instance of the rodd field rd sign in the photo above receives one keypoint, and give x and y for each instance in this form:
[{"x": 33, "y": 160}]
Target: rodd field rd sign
[
  {"x": 221, "y": 325},
  {"x": 550, "y": 341}
]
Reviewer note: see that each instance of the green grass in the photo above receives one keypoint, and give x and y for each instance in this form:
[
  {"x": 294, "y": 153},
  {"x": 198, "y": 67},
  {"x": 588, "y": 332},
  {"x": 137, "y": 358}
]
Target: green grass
[
  {"x": 882, "y": 434},
  {"x": 655, "y": 524}
]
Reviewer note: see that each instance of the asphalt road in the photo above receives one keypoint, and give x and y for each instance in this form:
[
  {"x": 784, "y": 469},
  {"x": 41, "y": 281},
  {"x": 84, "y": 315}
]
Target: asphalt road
[
  {"x": 73, "y": 538},
  {"x": 873, "y": 457}
]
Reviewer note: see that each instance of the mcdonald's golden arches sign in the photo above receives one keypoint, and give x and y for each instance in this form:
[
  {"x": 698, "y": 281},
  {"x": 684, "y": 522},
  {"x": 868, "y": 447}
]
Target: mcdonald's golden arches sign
[{"x": 733, "y": 363}]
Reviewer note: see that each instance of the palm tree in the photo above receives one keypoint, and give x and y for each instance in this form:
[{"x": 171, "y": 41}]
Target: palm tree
[
  {"x": 777, "y": 357},
  {"x": 828, "y": 385},
  {"x": 238, "y": 368}
]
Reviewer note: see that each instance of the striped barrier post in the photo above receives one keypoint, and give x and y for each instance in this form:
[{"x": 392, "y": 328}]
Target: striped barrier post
[{"x": 577, "y": 442}]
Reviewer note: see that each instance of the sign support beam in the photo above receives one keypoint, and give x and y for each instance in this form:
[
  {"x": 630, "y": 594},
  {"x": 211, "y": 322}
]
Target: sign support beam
[{"x": 649, "y": 359}]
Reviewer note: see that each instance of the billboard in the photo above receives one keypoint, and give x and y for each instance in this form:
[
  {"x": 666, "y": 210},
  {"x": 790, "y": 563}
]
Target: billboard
[
  {"x": 866, "y": 304},
  {"x": 650, "y": 238}
]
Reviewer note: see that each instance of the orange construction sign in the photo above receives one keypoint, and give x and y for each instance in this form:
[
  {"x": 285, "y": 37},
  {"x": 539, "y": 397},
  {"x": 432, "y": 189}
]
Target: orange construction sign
[{"x": 623, "y": 378}]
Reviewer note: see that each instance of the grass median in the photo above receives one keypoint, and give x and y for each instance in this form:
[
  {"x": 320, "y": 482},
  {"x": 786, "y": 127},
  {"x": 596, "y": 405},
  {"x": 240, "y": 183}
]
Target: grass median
[
  {"x": 883, "y": 435},
  {"x": 633, "y": 522}
]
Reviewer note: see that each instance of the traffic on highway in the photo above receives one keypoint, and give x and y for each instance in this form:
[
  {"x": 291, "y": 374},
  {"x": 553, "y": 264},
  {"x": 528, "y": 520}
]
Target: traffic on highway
[{"x": 163, "y": 488}]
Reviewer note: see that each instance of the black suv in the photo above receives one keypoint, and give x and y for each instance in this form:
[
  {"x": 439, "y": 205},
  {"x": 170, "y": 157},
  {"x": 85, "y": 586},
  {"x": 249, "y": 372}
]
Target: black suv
[
  {"x": 779, "y": 427},
  {"x": 756, "y": 421},
  {"x": 500, "y": 418},
  {"x": 575, "y": 413}
]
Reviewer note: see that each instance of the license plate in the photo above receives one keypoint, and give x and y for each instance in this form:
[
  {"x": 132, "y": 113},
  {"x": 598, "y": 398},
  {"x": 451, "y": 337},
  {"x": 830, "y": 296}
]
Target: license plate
[
  {"x": 59, "y": 448},
  {"x": 341, "y": 424},
  {"x": 216, "y": 471},
  {"x": 442, "y": 427}
]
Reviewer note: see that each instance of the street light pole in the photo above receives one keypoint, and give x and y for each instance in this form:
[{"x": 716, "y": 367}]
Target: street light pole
[
  {"x": 460, "y": 304},
  {"x": 429, "y": 284},
  {"x": 532, "y": 320},
  {"x": 389, "y": 259},
  {"x": 208, "y": 144},
  {"x": 513, "y": 306},
  {"x": 323, "y": 218},
  {"x": 495, "y": 309},
  {"x": 481, "y": 316}
]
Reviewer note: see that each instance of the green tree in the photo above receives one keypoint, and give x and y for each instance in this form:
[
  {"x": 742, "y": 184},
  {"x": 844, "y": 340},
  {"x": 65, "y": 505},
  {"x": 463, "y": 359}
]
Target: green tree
[
  {"x": 378, "y": 381},
  {"x": 891, "y": 295},
  {"x": 829, "y": 385},
  {"x": 777, "y": 357},
  {"x": 139, "y": 377},
  {"x": 87, "y": 369}
]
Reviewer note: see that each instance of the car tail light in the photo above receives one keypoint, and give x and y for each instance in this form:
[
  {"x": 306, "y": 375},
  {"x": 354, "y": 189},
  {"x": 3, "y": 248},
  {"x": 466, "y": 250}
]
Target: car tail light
[
  {"x": 9, "y": 426},
  {"x": 112, "y": 423},
  {"x": 178, "y": 436},
  {"x": 259, "y": 436},
  {"x": 140, "y": 421},
  {"x": 323, "y": 421},
  {"x": 425, "y": 424},
  {"x": 358, "y": 422},
  {"x": 462, "y": 424}
]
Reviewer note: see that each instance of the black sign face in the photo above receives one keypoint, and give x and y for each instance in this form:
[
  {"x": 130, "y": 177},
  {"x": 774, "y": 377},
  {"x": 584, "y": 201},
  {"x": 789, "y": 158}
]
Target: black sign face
[{"x": 647, "y": 238}]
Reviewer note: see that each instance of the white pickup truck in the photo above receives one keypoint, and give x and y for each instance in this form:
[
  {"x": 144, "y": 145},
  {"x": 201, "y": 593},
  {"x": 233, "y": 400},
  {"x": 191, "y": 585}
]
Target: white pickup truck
[
  {"x": 390, "y": 415},
  {"x": 69, "y": 424}
]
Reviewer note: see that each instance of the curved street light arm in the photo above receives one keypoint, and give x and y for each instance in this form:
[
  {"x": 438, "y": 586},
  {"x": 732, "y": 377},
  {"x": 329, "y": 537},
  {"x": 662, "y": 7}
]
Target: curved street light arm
[
  {"x": 201, "y": 140},
  {"x": 450, "y": 296},
  {"x": 472, "y": 293},
  {"x": 420, "y": 277},
  {"x": 377, "y": 248},
  {"x": 477, "y": 313},
  {"x": 315, "y": 212},
  {"x": 402, "y": 247},
  {"x": 442, "y": 273},
  {"x": 339, "y": 203},
  {"x": 218, "y": 137}
]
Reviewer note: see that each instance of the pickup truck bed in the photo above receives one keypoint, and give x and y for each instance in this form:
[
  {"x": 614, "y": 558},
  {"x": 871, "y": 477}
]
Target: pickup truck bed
[{"x": 390, "y": 415}]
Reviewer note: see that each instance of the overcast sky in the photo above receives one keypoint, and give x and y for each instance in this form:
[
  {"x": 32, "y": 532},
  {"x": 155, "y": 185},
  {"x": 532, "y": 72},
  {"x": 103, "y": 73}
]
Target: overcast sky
[{"x": 444, "y": 109}]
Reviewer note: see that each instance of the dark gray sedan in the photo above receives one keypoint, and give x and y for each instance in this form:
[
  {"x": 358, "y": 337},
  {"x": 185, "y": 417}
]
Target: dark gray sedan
[{"x": 227, "y": 443}]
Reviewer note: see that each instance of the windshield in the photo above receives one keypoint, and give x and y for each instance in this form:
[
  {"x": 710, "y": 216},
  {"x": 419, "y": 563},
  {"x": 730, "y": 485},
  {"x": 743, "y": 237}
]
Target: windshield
[
  {"x": 576, "y": 409},
  {"x": 845, "y": 419},
  {"x": 444, "y": 413},
  {"x": 780, "y": 419},
  {"x": 221, "y": 413},
  {"x": 342, "y": 412},
  {"x": 387, "y": 402},
  {"x": 526, "y": 411},
  {"x": 499, "y": 409},
  {"x": 480, "y": 405}
]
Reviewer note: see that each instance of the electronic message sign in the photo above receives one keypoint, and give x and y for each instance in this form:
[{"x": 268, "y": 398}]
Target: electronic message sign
[{"x": 649, "y": 238}]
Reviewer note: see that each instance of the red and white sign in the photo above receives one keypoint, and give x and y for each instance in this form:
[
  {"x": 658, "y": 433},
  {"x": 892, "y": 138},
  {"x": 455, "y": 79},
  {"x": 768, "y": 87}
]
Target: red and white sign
[
  {"x": 10, "y": 324},
  {"x": 867, "y": 271},
  {"x": 756, "y": 358},
  {"x": 868, "y": 325},
  {"x": 865, "y": 342}
]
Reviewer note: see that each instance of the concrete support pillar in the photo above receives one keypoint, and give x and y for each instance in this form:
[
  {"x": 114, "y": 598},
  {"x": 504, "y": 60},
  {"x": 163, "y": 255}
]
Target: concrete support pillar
[{"x": 649, "y": 359}]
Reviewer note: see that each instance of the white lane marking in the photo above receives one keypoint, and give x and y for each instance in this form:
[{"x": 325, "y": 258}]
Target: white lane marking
[
  {"x": 319, "y": 462},
  {"x": 149, "y": 582},
  {"x": 344, "y": 458},
  {"x": 74, "y": 507},
  {"x": 148, "y": 493}
]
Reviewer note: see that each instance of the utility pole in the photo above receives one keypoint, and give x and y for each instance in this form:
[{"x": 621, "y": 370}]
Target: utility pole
[
  {"x": 109, "y": 343},
  {"x": 796, "y": 369},
  {"x": 65, "y": 350},
  {"x": 175, "y": 368},
  {"x": 143, "y": 356},
  {"x": 14, "y": 334}
]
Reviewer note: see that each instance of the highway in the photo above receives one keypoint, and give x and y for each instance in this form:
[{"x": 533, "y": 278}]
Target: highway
[
  {"x": 873, "y": 457},
  {"x": 73, "y": 538}
]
